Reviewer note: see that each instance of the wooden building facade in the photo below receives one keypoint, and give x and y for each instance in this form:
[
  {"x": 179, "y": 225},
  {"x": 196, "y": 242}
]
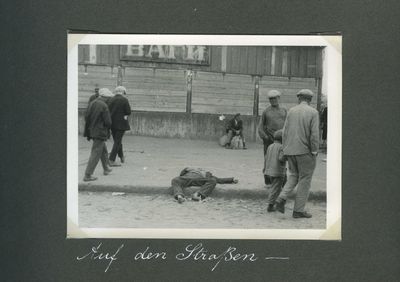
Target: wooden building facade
[{"x": 180, "y": 91}]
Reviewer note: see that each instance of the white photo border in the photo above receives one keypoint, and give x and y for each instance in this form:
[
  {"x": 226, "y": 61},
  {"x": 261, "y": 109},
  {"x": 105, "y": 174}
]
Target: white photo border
[{"x": 332, "y": 68}]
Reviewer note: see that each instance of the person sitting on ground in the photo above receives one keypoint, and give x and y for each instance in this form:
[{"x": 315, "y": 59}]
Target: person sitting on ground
[
  {"x": 275, "y": 169},
  {"x": 197, "y": 177},
  {"x": 235, "y": 128}
]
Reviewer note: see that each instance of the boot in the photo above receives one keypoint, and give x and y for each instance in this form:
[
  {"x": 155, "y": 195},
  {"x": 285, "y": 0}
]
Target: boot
[
  {"x": 280, "y": 205},
  {"x": 303, "y": 214},
  {"x": 271, "y": 208}
]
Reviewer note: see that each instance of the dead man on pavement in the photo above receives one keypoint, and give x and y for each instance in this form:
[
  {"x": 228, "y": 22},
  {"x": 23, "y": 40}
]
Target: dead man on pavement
[{"x": 197, "y": 177}]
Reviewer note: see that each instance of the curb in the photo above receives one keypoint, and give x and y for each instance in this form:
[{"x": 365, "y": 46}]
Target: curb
[{"x": 217, "y": 193}]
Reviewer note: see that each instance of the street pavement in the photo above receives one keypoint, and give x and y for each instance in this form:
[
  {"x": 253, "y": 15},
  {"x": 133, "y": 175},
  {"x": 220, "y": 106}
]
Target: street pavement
[
  {"x": 151, "y": 163},
  {"x": 138, "y": 210}
]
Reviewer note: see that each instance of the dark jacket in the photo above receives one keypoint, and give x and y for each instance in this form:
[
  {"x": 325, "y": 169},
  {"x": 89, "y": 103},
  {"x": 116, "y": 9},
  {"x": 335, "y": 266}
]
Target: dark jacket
[
  {"x": 232, "y": 125},
  {"x": 97, "y": 120},
  {"x": 119, "y": 108}
]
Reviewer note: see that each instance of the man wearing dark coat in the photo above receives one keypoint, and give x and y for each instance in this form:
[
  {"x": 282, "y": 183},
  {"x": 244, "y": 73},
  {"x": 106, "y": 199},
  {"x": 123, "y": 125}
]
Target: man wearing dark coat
[
  {"x": 235, "y": 128},
  {"x": 97, "y": 128},
  {"x": 119, "y": 110}
]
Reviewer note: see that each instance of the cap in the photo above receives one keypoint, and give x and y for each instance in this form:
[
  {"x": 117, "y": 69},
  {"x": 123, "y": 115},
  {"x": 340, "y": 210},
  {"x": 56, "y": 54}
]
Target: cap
[
  {"x": 238, "y": 114},
  {"x": 104, "y": 92},
  {"x": 274, "y": 93},
  {"x": 120, "y": 89},
  {"x": 305, "y": 92},
  {"x": 278, "y": 134}
]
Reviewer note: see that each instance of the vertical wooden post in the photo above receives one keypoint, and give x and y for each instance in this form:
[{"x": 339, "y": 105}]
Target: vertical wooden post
[
  {"x": 273, "y": 58},
  {"x": 189, "y": 78},
  {"x": 319, "y": 94},
  {"x": 256, "y": 95},
  {"x": 223, "y": 58},
  {"x": 93, "y": 54},
  {"x": 255, "y": 106},
  {"x": 119, "y": 76}
]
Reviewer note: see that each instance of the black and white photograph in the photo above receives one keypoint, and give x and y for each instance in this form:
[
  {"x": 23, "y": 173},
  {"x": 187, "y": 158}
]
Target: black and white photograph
[{"x": 206, "y": 136}]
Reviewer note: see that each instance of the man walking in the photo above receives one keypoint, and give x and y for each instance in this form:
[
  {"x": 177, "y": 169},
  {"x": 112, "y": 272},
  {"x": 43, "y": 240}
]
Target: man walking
[
  {"x": 119, "y": 110},
  {"x": 272, "y": 119},
  {"x": 97, "y": 127},
  {"x": 300, "y": 146}
]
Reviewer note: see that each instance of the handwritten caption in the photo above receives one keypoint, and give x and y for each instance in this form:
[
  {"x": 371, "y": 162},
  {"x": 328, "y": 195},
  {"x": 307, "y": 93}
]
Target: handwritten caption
[{"x": 191, "y": 252}]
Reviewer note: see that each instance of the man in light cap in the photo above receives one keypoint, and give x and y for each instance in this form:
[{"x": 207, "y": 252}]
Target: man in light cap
[
  {"x": 119, "y": 110},
  {"x": 97, "y": 127},
  {"x": 300, "y": 146},
  {"x": 272, "y": 119}
]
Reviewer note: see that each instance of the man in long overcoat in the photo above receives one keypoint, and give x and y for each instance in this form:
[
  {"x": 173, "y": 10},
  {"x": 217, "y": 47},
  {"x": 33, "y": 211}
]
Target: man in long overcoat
[{"x": 119, "y": 110}]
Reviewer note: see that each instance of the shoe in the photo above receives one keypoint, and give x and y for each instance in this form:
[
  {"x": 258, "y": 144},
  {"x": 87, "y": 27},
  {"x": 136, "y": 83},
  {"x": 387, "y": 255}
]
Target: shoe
[
  {"x": 89, "y": 178},
  {"x": 122, "y": 159},
  {"x": 107, "y": 171},
  {"x": 114, "y": 163},
  {"x": 280, "y": 205},
  {"x": 244, "y": 148},
  {"x": 180, "y": 199},
  {"x": 271, "y": 208},
  {"x": 301, "y": 214},
  {"x": 196, "y": 197}
]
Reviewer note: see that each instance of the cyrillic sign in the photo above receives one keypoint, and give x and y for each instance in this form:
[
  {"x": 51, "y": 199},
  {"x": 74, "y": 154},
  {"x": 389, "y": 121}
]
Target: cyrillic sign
[{"x": 177, "y": 54}]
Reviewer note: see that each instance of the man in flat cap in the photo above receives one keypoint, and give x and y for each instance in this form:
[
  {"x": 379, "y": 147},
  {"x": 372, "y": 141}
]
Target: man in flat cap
[
  {"x": 272, "y": 119},
  {"x": 97, "y": 128},
  {"x": 300, "y": 146},
  {"x": 119, "y": 110}
]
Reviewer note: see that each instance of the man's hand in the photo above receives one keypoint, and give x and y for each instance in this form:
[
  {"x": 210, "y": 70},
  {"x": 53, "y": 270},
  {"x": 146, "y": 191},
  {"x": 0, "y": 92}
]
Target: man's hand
[{"x": 235, "y": 181}]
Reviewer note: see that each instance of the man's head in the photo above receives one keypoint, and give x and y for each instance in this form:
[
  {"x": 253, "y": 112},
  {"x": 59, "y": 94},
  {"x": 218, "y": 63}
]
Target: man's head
[
  {"x": 120, "y": 90},
  {"x": 274, "y": 97},
  {"x": 237, "y": 116},
  {"x": 96, "y": 90},
  {"x": 305, "y": 95},
  {"x": 105, "y": 93}
]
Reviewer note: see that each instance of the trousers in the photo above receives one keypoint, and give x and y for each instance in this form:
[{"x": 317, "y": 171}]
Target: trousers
[
  {"x": 276, "y": 187},
  {"x": 231, "y": 134},
  {"x": 98, "y": 152},
  {"x": 301, "y": 169},
  {"x": 117, "y": 146},
  {"x": 207, "y": 184}
]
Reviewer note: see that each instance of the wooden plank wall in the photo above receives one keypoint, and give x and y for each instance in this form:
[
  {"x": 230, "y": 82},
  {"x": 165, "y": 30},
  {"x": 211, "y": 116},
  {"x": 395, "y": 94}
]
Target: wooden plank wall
[
  {"x": 288, "y": 87},
  {"x": 160, "y": 90},
  {"x": 100, "y": 76},
  {"x": 292, "y": 61},
  {"x": 214, "y": 92}
]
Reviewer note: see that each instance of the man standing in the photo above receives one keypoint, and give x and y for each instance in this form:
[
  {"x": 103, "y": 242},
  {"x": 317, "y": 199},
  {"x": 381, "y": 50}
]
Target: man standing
[
  {"x": 97, "y": 127},
  {"x": 300, "y": 146},
  {"x": 272, "y": 119},
  {"x": 119, "y": 110}
]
